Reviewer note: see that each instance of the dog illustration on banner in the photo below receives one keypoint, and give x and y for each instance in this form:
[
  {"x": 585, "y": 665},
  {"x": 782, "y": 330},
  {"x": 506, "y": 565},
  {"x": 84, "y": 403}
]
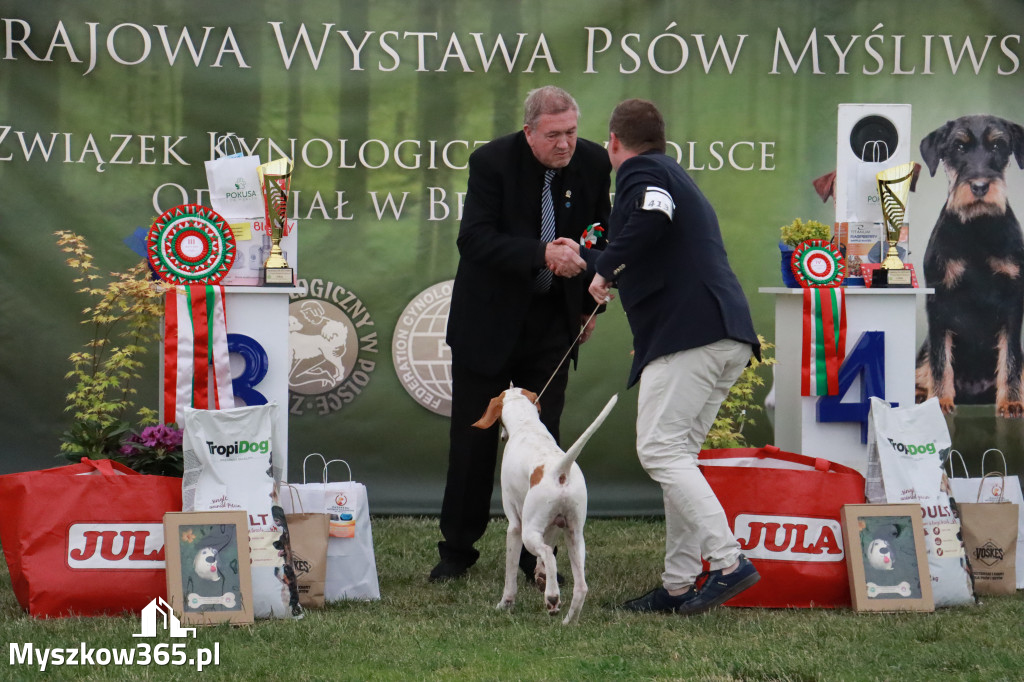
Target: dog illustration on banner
[
  {"x": 975, "y": 263},
  {"x": 317, "y": 357}
]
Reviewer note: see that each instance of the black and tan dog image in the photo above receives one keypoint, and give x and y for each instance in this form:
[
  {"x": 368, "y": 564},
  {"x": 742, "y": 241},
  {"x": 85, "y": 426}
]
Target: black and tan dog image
[{"x": 975, "y": 263}]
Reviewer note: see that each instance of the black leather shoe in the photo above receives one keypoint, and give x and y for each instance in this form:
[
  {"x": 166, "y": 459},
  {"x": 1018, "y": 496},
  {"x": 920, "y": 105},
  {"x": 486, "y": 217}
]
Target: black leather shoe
[
  {"x": 659, "y": 600},
  {"x": 446, "y": 571},
  {"x": 718, "y": 588}
]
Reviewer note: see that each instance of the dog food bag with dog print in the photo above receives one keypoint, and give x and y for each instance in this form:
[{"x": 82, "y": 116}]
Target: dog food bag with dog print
[
  {"x": 230, "y": 463},
  {"x": 906, "y": 447}
]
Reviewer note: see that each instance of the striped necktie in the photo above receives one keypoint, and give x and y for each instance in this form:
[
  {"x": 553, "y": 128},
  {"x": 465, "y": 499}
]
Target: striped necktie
[{"x": 547, "y": 230}]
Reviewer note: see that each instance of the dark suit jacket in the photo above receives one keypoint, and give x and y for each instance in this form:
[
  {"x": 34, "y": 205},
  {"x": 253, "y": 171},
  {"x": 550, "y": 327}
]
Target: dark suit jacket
[
  {"x": 673, "y": 276},
  {"x": 500, "y": 248}
]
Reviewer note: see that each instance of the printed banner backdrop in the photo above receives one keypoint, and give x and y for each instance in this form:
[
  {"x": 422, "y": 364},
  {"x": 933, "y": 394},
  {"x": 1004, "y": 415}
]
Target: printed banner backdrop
[{"x": 109, "y": 110}]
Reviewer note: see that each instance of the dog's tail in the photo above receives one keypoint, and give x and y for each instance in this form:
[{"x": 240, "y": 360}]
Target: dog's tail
[{"x": 573, "y": 452}]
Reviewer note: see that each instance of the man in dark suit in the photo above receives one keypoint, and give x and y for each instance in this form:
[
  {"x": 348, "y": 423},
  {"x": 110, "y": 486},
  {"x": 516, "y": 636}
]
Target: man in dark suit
[
  {"x": 519, "y": 298},
  {"x": 692, "y": 338}
]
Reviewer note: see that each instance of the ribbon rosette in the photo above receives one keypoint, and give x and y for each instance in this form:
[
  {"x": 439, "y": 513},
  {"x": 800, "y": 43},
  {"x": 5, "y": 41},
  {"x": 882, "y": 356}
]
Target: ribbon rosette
[
  {"x": 190, "y": 244},
  {"x": 818, "y": 263},
  {"x": 591, "y": 235},
  {"x": 819, "y": 266}
]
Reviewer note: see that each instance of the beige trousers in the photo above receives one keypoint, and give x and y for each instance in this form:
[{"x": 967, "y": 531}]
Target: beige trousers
[{"x": 680, "y": 395}]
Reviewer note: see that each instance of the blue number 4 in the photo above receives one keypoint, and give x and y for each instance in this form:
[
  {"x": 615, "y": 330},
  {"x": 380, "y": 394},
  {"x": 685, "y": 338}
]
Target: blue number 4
[{"x": 866, "y": 360}]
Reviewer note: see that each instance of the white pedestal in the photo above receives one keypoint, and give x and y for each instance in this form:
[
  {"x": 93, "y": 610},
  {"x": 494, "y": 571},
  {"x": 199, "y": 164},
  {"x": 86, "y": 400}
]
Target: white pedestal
[
  {"x": 261, "y": 313},
  {"x": 797, "y": 429}
]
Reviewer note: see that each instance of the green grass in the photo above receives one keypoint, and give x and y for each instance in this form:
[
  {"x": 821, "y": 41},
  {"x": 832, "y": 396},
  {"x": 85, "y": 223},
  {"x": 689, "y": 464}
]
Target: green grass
[{"x": 421, "y": 631}]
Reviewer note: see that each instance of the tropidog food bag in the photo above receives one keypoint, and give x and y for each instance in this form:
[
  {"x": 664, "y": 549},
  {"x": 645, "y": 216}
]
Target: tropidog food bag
[
  {"x": 905, "y": 450},
  {"x": 230, "y": 464}
]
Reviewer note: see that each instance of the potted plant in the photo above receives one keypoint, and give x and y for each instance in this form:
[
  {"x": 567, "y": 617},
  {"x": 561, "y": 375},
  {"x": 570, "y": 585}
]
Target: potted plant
[
  {"x": 738, "y": 408},
  {"x": 790, "y": 237},
  {"x": 123, "y": 320}
]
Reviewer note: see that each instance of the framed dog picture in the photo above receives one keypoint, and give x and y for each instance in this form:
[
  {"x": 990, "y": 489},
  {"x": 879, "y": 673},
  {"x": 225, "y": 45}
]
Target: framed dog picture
[
  {"x": 209, "y": 579},
  {"x": 886, "y": 557}
]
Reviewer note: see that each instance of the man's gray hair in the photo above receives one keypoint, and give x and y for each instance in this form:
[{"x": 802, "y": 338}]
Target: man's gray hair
[{"x": 547, "y": 100}]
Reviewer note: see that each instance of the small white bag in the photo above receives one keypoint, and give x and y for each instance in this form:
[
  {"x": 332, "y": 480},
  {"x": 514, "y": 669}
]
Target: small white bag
[
  {"x": 351, "y": 566},
  {"x": 992, "y": 489},
  {"x": 234, "y": 182}
]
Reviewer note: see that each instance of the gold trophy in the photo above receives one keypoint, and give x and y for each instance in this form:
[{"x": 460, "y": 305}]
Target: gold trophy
[
  {"x": 893, "y": 190},
  {"x": 275, "y": 180}
]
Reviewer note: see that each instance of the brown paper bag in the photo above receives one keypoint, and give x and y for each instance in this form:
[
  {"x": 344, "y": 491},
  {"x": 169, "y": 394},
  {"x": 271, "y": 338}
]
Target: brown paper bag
[
  {"x": 308, "y": 532},
  {"x": 990, "y": 538}
]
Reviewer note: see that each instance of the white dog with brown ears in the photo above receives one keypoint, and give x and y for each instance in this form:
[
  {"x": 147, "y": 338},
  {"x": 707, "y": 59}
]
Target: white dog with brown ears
[{"x": 543, "y": 494}]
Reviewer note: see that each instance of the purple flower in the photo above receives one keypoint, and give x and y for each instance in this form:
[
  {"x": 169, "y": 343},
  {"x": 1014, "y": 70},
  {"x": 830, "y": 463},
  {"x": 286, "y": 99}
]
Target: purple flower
[{"x": 160, "y": 436}]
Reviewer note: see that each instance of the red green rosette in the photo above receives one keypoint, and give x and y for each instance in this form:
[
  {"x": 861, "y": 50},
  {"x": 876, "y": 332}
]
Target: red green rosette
[
  {"x": 190, "y": 244},
  {"x": 818, "y": 263}
]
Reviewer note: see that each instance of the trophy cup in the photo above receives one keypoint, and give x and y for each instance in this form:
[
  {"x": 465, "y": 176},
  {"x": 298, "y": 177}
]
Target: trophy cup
[
  {"x": 275, "y": 180},
  {"x": 893, "y": 190}
]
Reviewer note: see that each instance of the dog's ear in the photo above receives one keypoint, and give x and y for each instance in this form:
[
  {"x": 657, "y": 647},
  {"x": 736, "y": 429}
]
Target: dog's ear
[
  {"x": 532, "y": 397},
  {"x": 931, "y": 146},
  {"x": 1017, "y": 142},
  {"x": 491, "y": 414}
]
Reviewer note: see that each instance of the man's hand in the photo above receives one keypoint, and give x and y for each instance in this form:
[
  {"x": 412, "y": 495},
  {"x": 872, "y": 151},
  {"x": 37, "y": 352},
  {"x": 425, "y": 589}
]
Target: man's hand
[
  {"x": 601, "y": 289},
  {"x": 590, "y": 321},
  {"x": 562, "y": 257}
]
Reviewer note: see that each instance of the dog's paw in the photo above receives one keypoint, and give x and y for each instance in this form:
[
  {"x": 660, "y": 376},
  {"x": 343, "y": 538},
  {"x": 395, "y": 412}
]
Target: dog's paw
[
  {"x": 947, "y": 405},
  {"x": 1010, "y": 409},
  {"x": 505, "y": 604}
]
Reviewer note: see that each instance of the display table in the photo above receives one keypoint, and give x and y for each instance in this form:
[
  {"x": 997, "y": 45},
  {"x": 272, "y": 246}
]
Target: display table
[
  {"x": 798, "y": 427},
  {"x": 257, "y": 319}
]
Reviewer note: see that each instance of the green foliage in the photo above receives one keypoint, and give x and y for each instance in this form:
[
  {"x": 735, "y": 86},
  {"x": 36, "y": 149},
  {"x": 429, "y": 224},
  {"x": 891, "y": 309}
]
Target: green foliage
[
  {"x": 798, "y": 231},
  {"x": 123, "y": 320},
  {"x": 739, "y": 406}
]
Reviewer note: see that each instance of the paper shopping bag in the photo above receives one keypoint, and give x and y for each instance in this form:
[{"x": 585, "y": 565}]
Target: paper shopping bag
[
  {"x": 992, "y": 489},
  {"x": 308, "y": 531},
  {"x": 990, "y": 538},
  {"x": 351, "y": 566},
  {"x": 86, "y": 539},
  {"x": 784, "y": 510},
  {"x": 234, "y": 182}
]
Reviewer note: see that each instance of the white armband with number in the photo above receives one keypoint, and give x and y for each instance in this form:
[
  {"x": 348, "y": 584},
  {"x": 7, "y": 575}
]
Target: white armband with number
[{"x": 657, "y": 199}]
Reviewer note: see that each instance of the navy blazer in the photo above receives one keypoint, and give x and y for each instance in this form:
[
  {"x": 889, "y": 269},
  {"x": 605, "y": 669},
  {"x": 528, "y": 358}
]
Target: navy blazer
[
  {"x": 500, "y": 248},
  {"x": 673, "y": 275}
]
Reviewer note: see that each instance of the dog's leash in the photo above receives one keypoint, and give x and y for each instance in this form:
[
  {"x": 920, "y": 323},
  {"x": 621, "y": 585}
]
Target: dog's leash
[{"x": 583, "y": 328}]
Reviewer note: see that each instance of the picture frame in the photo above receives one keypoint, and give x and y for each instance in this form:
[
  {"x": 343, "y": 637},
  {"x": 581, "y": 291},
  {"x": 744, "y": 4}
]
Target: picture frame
[
  {"x": 886, "y": 557},
  {"x": 209, "y": 579}
]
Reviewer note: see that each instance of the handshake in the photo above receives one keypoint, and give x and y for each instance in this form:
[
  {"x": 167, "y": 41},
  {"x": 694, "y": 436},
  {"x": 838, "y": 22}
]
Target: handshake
[{"x": 562, "y": 257}]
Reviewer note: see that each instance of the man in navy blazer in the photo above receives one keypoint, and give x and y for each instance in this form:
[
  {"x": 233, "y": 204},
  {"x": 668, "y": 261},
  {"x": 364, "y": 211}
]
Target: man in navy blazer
[
  {"x": 692, "y": 338},
  {"x": 519, "y": 297}
]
